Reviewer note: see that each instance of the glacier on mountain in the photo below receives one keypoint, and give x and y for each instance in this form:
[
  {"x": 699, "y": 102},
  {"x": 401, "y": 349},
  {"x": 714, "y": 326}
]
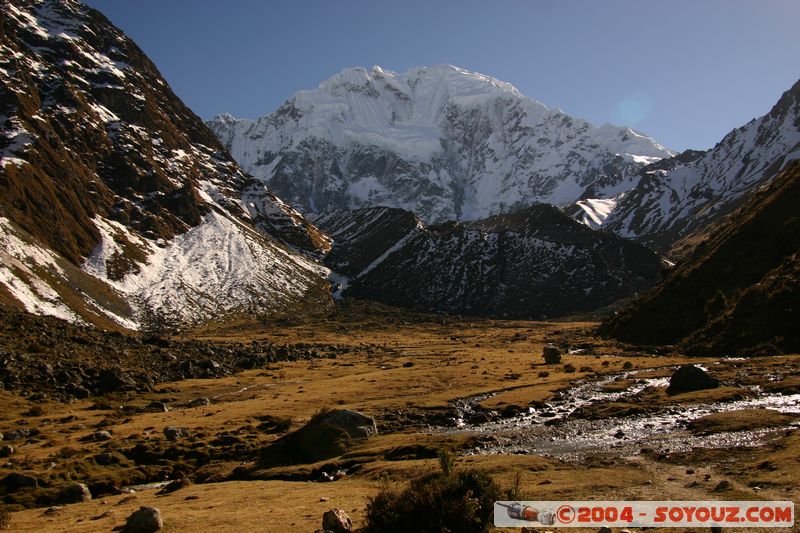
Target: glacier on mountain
[{"x": 442, "y": 142}]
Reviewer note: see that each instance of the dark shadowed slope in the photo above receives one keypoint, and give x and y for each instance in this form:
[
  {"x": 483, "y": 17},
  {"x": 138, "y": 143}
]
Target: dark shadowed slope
[
  {"x": 533, "y": 263},
  {"x": 740, "y": 292}
]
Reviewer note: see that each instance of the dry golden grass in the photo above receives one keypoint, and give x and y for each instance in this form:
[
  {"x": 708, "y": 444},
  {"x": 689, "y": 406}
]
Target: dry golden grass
[{"x": 452, "y": 360}]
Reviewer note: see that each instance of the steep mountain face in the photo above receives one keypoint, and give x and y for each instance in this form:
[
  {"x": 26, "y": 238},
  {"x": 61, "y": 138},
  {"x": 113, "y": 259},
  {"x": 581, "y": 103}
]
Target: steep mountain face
[
  {"x": 534, "y": 263},
  {"x": 677, "y": 198},
  {"x": 442, "y": 142},
  {"x": 739, "y": 293},
  {"x": 117, "y": 205}
]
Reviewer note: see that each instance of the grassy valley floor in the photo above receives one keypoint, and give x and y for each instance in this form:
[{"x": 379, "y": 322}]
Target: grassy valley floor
[{"x": 432, "y": 383}]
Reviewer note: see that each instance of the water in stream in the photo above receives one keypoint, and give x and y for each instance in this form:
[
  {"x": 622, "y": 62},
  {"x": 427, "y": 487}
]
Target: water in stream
[{"x": 550, "y": 430}]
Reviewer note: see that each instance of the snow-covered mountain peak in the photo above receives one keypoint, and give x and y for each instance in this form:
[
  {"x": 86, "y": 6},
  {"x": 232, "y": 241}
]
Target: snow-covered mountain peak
[
  {"x": 416, "y": 83},
  {"x": 440, "y": 141}
]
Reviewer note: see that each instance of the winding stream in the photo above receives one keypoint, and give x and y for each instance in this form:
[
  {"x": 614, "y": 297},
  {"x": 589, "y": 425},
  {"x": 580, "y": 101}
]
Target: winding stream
[{"x": 549, "y": 429}]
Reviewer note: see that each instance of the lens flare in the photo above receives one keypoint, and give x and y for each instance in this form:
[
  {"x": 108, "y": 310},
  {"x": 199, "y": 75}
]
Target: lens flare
[{"x": 632, "y": 109}]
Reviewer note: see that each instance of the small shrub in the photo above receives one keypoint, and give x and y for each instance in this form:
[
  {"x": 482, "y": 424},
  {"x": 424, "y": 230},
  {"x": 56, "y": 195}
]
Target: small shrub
[
  {"x": 569, "y": 368},
  {"x": 586, "y": 369},
  {"x": 544, "y": 374},
  {"x": 446, "y": 461},
  {"x": 515, "y": 491},
  {"x": 5, "y": 518},
  {"x": 461, "y": 502},
  {"x": 627, "y": 365},
  {"x": 36, "y": 410},
  {"x": 274, "y": 424}
]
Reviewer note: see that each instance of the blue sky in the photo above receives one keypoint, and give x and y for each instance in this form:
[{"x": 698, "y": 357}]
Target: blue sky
[{"x": 683, "y": 71}]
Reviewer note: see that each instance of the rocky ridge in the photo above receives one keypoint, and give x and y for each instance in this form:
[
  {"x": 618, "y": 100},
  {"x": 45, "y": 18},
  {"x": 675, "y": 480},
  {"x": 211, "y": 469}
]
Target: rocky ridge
[
  {"x": 738, "y": 293},
  {"x": 118, "y": 206},
  {"x": 676, "y": 200}
]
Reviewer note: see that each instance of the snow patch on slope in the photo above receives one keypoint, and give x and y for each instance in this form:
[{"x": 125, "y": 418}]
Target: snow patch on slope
[
  {"x": 217, "y": 267},
  {"x": 21, "y": 267},
  {"x": 594, "y": 211}
]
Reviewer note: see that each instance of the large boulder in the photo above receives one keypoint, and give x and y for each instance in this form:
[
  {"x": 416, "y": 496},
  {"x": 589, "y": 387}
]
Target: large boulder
[
  {"x": 16, "y": 481},
  {"x": 328, "y": 434},
  {"x": 337, "y": 521},
  {"x": 551, "y": 354},
  {"x": 357, "y": 425},
  {"x": 175, "y": 432},
  {"x": 144, "y": 520},
  {"x": 690, "y": 378},
  {"x": 74, "y": 493}
]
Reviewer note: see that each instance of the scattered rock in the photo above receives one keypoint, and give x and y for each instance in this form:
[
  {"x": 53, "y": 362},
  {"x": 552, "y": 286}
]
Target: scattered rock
[
  {"x": 74, "y": 493},
  {"x": 172, "y": 486},
  {"x": 175, "y": 432},
  {"x": 551, "y": 354},
  {"x": 6, "y": 450},
  {"x": 127, "y": 499},
  {"x": 100, "y": 436},
  {"x": 511, "y": 410},
  {"x": 144, "y": 520},
  {"x": 155, "y": 407},
  {"x": 81, "y": 392},
  {"x": 54, "y": 510},
  {"x": 337, "y": 521},
  {"x": 107, "y": 514},
  {"x": 113, "y": 380},
  {"x": 199, "y": 402},
  {"x": 15, "y": 481},
  {"x": 690, "y": 378},
  {"x": 105, "y": 459},
  {"x": 408, "y": 364},
  {"x": 18, "y": 434},
  {"x": 722, "y": 486}
]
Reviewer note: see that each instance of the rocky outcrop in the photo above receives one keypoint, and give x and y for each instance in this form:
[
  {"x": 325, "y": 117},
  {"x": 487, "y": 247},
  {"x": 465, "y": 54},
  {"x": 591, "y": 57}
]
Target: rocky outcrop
[
  {"x": 690, "y": 378},
  {"x": 336, "y": 521},
  {"x": 144, "y": 520},
  {"x": 328, "y": 434}
]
